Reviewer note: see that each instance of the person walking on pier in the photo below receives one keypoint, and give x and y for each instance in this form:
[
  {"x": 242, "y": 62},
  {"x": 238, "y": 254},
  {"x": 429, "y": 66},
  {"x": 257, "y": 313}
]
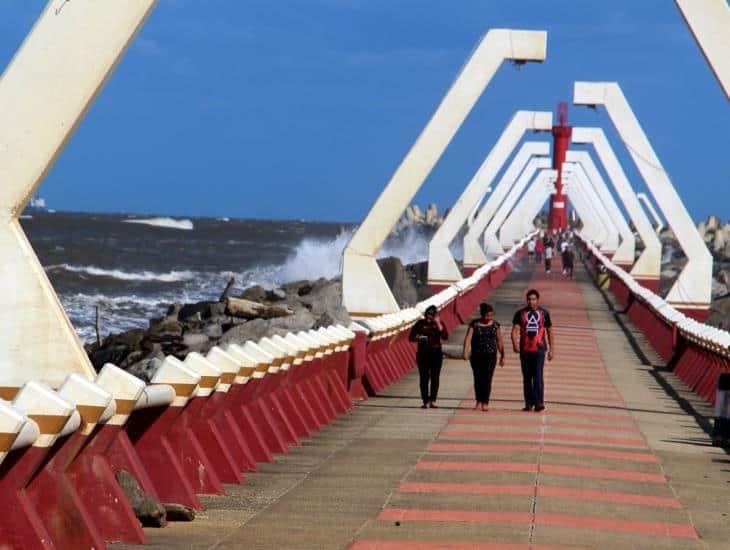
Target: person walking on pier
[
  {"x": 482, "y": 342},
  {"x": 428, "y": 333},
  {"x": 568, "y": 258},
  {"x": 548, "y": 257},
  {"x": 539, "y": 247},
  {"x": 530, "y": 326}
]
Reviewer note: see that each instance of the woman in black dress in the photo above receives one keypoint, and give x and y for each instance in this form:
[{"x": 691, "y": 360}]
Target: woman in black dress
[{"x": 482, "y": 342}]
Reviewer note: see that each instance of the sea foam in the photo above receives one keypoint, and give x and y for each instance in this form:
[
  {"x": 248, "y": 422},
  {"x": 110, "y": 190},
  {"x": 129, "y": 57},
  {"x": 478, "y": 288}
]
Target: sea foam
[
  {"x": 169, "y": 277},
  {"x": 169, "y": 223}
]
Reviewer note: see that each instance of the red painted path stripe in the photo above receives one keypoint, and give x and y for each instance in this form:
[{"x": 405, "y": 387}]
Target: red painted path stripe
[
  {"x": 528, "y": 436},
  {"x": 615, "y": 417},
  {"x": 483, "y": 421},
  {"x": 550, "y": 449},
  {"x": 587, "y": 495},
  {"x": 674, "y": 530},
  {"x": 423, "y": 545},
  {"x": 551, "y": 469}
]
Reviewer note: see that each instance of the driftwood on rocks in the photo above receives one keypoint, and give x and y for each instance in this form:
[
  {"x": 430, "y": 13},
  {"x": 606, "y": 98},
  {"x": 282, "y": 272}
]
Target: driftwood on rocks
[
  {"x": 247, "y": 309},
  {"x": 227, "y": 290}
]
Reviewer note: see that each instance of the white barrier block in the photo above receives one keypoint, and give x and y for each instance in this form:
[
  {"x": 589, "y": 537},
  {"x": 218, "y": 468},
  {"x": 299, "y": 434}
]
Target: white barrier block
[
  {"x": 252, "y": 367},
  {"x": 12, "y": 422},
  {"x": 183, "y": 380},
  {"x": 315, "y": 346},
  {"x": 297, "y": 353},
  {"x": 266, "y": 362},
  {"x": 46, "y": 408},
  {"x": 230, "y": 369},
  {"x": 278, "y": 352},
  {"x": 90, "y": 399},
  {"x": 125, "y": 389},
  {"x": 209, "y": 374},
  {"x": 301, "y": 343}
]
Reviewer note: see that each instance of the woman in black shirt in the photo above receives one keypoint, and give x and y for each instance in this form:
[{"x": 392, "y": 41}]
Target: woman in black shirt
[
  {"x": 428, "y": 333},
  {"x": 482, "y": 342}
]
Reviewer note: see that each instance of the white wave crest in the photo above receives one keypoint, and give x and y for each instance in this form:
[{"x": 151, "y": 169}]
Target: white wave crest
[
  {"x": 170, "y": 277},
  {"x": 169, "y": 223},
  {"x": 410, "y": 246},
  {"x": 314, "y": 258}
]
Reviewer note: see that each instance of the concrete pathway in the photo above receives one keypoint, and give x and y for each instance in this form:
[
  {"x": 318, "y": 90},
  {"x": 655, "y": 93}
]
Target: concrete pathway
[{"x": 619, "y": 458}]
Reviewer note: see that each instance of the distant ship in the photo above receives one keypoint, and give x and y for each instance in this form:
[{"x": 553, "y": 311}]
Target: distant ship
[{"x": 37, "y": 205}]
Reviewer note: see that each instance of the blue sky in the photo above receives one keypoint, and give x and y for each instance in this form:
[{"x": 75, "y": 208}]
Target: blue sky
[{"x": 304, "y": 108}]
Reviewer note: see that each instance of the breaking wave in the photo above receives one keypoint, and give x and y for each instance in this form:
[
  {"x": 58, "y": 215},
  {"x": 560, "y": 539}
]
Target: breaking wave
[
  {"x": 169, "y": 223},
  {"x": 170, "y": 277}
]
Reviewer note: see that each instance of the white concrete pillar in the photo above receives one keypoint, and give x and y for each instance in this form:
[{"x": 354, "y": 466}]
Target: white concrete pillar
[
  {"x": 493, "y": 244},
  {"x": 473, "y": 254},
  {"x": 608, "y": 231},
  {"x": 44, "y": 93},
  {"x": 648, "y": 265},
  {"x": 658, "y": 223},
  {"x": 442, "y": 268},
  {"x": 692, "y": 289},
  {"x": 709, "y": 21},
  {"x": 624, "y": 252},
  {"x": 593, "y": 228},
  {"x": 528, "y": 207},
  {"x": 365, "y": 292}
]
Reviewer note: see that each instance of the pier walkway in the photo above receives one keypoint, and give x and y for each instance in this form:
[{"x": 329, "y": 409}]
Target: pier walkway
[{"x": 621, "y": 458}]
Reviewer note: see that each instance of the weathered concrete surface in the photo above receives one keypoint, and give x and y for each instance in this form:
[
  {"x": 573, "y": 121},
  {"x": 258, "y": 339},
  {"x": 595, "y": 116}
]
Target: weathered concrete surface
[{"x": 620, "y": 458}]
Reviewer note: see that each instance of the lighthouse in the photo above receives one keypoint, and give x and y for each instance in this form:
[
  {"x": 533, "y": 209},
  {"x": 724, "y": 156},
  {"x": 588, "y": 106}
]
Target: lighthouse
[{"x": 558, "y": 216}]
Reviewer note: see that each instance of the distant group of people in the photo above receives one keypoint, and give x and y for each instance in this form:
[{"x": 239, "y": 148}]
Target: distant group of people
[
  {"x": 532, "y": 338},
  {"x": 545, "y": 247}
]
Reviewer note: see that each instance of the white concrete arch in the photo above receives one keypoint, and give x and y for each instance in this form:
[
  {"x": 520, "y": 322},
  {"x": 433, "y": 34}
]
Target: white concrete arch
[
  {"x": 647, "y": 266},
  {"x": 473, "y": 254},
  {"x": 520, "y": 220},
  {"x": 586, "y": 213},
  {"x": 365, "y": 292},
  {"x": 692, "y": 289},
  {"x": 593, "y": 225},
  {"x": 608, "y": 235},
  {"x": 442, "y": 268},
  {"x": 44, "y": 93},
  {"x": 658, "y": 223},
  {"x": 624, "y": 252},
  {"x": 709, "y": 21},
  {"x": 493, "y": 244}
]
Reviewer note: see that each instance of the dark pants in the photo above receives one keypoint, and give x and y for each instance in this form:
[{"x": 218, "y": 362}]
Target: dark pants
[
  {"x": 429, "y": 369},
  {"x": 548, "y": 264},
  {"x": 532, "y": 384},
  {"x": 482, "y": 365}
]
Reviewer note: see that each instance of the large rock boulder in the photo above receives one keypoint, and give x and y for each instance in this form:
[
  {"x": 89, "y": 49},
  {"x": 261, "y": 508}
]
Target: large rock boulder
[
  {"x": 720, "y": 313},
  {"x": 255, "y": 293},
  {"x": 713, "y": 223},
  {"x": 323, "y": 296},
  {"x": 400, "y": 281},
  {"x": 149, "y": 511},
  {"x": 146, "y": 368},
  {"x": 252, "y": 330},
  {"x": 432, "y": 215},
  {"x": 302, "y": 319},
  {"x": 201, "y": 311}
]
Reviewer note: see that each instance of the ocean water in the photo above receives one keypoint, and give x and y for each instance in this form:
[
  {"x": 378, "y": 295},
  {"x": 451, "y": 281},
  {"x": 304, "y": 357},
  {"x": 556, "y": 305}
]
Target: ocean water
[{"x": 134, "y": 267}]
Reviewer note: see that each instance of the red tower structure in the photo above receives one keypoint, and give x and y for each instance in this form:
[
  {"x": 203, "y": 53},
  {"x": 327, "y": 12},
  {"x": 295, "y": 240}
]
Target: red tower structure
[{"x": 558, "y": 216}]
